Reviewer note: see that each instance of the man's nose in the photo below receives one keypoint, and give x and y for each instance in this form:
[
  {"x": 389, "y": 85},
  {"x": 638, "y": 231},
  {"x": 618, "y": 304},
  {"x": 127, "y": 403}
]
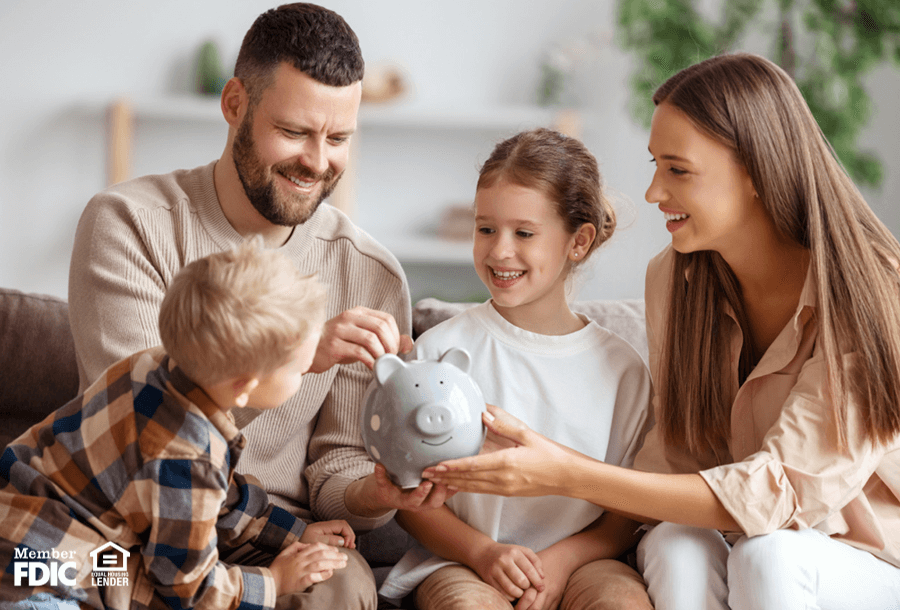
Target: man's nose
[{"x": 313, "y": 156}]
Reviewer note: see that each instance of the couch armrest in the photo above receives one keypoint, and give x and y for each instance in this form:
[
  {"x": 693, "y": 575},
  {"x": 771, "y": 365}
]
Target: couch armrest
[{"x": 37, "y": 360}]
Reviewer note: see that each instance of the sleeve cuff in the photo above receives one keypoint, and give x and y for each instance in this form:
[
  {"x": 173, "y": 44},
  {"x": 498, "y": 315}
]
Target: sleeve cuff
[
  {"x": 756, "y": 493},
  {"x": 258, "y": 589},
  {"x": 330, "y": 505}
]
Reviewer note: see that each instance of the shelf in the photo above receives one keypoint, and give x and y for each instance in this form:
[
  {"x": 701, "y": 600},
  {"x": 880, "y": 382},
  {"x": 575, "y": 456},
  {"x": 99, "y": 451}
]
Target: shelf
[
  {"x": 430, "y": 250},
  {"x": 198, "y": 108}
]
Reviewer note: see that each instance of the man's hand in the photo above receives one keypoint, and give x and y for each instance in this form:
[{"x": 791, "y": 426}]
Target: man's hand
[
  {"x": 375, "y": 495},
  {"x": 358, "y": 335},
  {"x": 335, "y": 533}
]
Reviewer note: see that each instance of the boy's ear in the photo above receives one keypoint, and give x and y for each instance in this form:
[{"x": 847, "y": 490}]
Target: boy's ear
[{"x": 241, "y": 389}]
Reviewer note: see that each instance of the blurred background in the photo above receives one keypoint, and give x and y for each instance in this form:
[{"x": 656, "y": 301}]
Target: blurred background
[{"x": 450, "y": 79}]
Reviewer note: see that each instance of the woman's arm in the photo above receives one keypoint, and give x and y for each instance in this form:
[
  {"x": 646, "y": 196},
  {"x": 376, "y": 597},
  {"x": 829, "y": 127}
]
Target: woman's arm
[{"x": 537, "y": 466}]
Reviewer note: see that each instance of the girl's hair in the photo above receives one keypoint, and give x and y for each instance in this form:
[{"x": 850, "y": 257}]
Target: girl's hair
[
  {"x": 752, "y": 106},
  {"x": 561, "y": 168},
  {"x": 239, "y": 312}
]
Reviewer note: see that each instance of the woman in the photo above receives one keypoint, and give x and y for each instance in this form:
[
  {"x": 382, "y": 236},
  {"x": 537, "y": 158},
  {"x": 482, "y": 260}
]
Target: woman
[{"x": 774, "y": 328}]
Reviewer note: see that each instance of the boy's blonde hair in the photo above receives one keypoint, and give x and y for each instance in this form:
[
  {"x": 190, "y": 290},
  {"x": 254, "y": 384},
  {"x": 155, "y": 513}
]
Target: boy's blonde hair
[{"x": 239, "y": 312}]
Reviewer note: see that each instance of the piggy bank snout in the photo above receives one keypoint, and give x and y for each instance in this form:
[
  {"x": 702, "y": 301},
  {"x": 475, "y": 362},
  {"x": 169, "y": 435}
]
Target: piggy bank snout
[{"x": 434, "y": 419}]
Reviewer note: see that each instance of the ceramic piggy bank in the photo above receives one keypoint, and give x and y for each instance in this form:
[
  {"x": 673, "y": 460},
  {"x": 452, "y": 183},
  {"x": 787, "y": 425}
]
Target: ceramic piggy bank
[{"x": 416, "y": 414}]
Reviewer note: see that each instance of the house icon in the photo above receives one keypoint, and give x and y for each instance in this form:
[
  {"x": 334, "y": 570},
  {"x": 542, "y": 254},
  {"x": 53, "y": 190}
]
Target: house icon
[{"x": 110, "y": 558}]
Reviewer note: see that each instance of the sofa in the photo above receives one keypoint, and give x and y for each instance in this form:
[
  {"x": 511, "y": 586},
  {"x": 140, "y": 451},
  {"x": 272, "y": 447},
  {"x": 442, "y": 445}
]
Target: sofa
[{"x": 38, "y": 372}]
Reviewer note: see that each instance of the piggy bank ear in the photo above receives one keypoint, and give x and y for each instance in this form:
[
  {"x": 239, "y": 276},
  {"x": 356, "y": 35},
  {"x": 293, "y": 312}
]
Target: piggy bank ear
[
  {"x": 458, "y": 357},
  {"x": 386, "y": 365}
]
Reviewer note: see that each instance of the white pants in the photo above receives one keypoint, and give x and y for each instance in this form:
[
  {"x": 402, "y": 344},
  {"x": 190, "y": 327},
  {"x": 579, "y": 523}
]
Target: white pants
[{"x": 688, "y": 568}]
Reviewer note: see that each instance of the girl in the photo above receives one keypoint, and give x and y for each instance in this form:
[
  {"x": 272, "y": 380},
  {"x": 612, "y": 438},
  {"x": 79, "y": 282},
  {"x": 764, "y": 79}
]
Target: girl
[
  {"x": 774, "y": 329},
  {"x": 540, "y": 212}
]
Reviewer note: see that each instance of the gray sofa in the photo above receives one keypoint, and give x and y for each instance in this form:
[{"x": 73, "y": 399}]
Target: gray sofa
[{"x": 38, "y": 372}]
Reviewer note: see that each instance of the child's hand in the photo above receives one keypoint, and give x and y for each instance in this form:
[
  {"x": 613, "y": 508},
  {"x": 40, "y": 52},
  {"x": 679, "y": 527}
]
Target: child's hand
[
  {"x": 511, "y": 569},
  {"x": 335, "y": 533},
  {"x": 548, "y": 599},
  {"x": 300, "y": 566},
  {"x": 557, "y": 576}
]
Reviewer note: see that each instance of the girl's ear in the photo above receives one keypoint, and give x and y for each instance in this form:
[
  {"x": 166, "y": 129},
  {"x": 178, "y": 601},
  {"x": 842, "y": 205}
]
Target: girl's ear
[
  {"x": 582, "y": 240},
  {"x": 241, "y": 388}
]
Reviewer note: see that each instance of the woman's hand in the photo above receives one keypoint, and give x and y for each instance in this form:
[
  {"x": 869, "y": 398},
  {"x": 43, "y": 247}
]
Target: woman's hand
[
  {"x": 511, "y": 569},
  {"x": 532, "y": 466},
  {"x": 493, "y": 441}
]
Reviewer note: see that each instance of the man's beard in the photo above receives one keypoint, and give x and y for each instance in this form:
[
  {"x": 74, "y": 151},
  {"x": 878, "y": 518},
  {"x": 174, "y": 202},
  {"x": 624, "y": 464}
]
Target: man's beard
[{"x": 259, "y": 183}]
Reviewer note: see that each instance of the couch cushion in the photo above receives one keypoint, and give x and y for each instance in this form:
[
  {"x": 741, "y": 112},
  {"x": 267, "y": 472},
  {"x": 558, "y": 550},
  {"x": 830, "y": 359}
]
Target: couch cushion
[
  {"x": 37, "y": 360},
  {"x": 625, "y": 317}
]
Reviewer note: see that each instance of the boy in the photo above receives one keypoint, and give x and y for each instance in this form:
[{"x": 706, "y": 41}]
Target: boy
[{"x": 145, "y": 458}]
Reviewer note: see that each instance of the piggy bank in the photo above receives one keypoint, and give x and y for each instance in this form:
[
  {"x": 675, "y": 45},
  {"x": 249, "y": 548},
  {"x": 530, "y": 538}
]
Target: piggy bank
[{"x": 416, "y": 414}]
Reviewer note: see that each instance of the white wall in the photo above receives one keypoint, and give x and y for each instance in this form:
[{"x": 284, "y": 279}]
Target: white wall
[{"x": 64, "y": 61}]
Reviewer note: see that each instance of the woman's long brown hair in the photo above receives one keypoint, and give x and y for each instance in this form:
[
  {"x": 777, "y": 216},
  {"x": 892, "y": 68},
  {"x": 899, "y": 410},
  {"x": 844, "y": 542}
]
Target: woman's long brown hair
[{"x": 753, "y": 107}]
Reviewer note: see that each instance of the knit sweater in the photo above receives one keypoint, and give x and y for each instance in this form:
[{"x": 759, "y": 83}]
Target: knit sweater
[{"x": 131, "y": 241}]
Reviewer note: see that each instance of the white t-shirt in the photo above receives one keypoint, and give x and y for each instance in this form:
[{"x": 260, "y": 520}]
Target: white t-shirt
[{"x": 588, "y": 390}]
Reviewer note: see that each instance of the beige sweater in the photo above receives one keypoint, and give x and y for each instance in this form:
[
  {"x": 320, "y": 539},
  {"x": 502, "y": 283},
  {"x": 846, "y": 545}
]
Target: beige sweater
[{"x": 131, "y": 241}]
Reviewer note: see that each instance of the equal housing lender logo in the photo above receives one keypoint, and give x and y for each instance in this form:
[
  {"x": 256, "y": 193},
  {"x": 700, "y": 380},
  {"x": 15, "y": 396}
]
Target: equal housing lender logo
[{"x": 54, "y": 568}]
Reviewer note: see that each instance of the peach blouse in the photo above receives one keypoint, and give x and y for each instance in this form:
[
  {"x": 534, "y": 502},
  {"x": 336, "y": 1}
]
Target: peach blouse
[{"x": 787, "y": 472}]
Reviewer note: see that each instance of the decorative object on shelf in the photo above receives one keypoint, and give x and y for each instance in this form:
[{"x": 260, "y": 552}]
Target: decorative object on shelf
[
  {"x": 457, "y": 222},
  {"x": 383, "y": 84},
  {"x": 826, "y": 46},
  {"x": 210, "y": 76},
  {"x": 558, "y": 67}
]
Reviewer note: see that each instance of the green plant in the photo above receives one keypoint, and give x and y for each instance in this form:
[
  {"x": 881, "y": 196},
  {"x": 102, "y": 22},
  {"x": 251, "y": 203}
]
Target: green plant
[{"x": 827, "y": 46}]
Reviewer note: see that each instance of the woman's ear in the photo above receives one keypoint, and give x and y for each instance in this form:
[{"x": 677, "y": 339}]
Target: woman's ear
[
  {"x": 241, "y": 389},
  {"x": 582, "y": 240}
]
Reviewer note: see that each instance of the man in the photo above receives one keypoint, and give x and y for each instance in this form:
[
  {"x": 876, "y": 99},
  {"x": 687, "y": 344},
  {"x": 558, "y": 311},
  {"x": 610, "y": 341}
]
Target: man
[{"x": 291, "y": 110}]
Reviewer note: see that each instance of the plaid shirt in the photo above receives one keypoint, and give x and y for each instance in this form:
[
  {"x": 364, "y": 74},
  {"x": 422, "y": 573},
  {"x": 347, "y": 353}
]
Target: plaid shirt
[{"x": 146, "y": 460}]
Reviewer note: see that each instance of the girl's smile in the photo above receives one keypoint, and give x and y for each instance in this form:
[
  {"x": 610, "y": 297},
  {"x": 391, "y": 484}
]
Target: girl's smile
[
  {"x": 522, "y": 254},
  {"x": 503, "y": 278}
]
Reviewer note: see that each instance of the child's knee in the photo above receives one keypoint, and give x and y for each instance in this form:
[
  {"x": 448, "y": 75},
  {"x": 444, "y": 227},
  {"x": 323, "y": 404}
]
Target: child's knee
[
  {"x": 606, "y": 585},
  {"x": 458, "y": 588}
]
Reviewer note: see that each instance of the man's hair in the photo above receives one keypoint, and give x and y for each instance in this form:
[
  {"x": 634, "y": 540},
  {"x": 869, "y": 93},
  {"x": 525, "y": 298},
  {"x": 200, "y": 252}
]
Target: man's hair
[
  {"x": 312, "y": 39},
  {"x": 239, "y": 312}
]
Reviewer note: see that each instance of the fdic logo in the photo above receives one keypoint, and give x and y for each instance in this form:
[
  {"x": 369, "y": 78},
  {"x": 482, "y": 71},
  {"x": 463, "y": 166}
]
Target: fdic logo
[{"x": 107, "y": 559}]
